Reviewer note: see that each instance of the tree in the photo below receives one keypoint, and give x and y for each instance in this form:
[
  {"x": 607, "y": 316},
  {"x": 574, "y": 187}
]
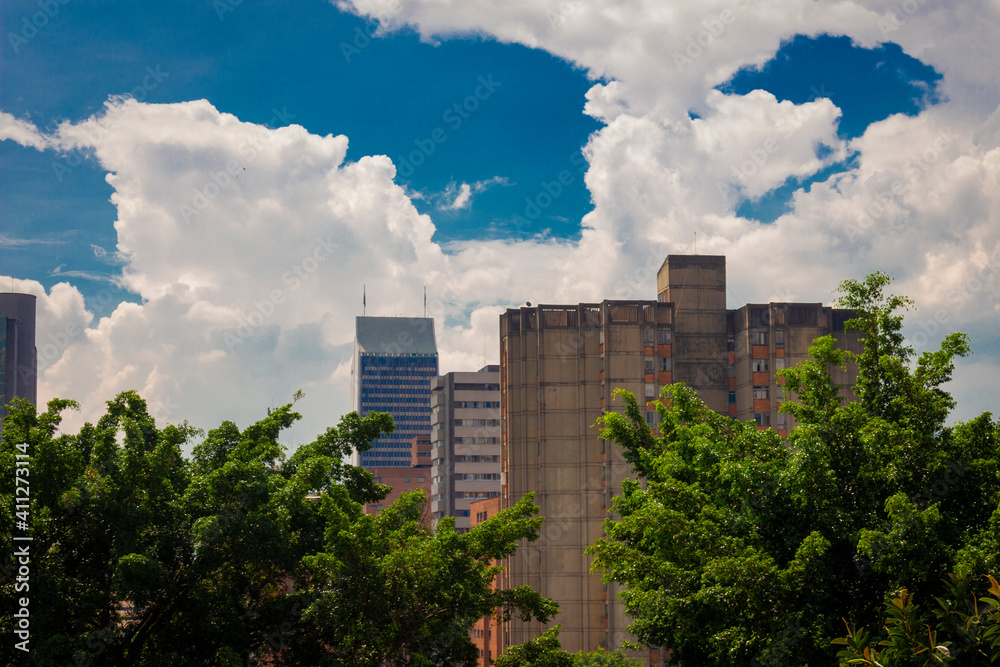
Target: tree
[
  {"x": 958, "y": 628},
  {"x": 239, "y": 554},
  {"x": 739, "y": 548},
  {"x": 545, "y": 651}
]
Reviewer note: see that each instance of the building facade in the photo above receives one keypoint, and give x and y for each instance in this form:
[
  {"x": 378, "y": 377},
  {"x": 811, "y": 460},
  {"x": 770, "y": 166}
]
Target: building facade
[
  {"x": 394, "y": 360},
  {"x": 485, "y": 633},
  {"x": 403, "y": 480},
  {"x": 559, "y": 368},
  {"x": 18, "y": 356},
  {"x": 465, "y": 442}
]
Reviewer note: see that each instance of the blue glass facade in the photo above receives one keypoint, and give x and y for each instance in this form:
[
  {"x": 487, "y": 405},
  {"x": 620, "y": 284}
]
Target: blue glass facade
[{"x": 399, "y": 385}]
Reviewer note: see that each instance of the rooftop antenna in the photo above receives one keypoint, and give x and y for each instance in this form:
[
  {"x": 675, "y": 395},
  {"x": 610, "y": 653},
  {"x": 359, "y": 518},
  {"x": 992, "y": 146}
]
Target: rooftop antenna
[
  {"x": 425, "y": 300},
  {"x": 364, "y": 299},
  {"x": 696, "y": 243},
  {"x": 484, "y": 350}
]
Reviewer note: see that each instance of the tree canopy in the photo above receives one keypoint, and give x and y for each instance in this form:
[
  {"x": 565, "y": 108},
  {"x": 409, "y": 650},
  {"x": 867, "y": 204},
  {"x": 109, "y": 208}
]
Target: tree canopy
[
  {"x": 739, "y": 548},
  {"x": 240, "y": 554}
]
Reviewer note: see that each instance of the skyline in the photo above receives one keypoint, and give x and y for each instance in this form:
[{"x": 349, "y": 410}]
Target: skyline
[{"x": 180, "y": 242}]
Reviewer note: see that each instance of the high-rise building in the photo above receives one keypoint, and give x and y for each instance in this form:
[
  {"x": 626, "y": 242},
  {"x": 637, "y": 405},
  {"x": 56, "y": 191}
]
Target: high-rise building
[
  {"x": 18, "y": 357},
  {"x": 465, "y": 442},
  {"x": 559, "y": 367},
  {"x": 394, "y": 361}
]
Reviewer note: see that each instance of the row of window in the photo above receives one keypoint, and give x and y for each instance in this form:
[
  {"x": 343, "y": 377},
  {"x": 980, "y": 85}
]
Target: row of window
[
  {"x": 477, "y": 422},
  {"x": 467, "y": 440},
  {"x": 477, "y": 440},
  {"x": 760, "y": 338},
  {"x": 764, "y": 419},
  {"x": 477, "y": 404},
  {"x": 665, "y": 364},
  {"x": 406, "y": 480},
  {"x": 650, "y": 335},
  {"x": 764, "y": 365},
  {"x": 460, "y": 495},
  {"x": 469, "y": 477}
]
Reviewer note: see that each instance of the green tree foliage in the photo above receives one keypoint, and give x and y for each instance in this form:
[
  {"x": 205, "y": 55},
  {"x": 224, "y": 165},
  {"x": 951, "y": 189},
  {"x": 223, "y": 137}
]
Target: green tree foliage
[
  {"x": 959, "y": 628},
  {"x": 545, "y": 651},
  {"x": 238, "y": 555},
  {"x": 740, "y": 549}
]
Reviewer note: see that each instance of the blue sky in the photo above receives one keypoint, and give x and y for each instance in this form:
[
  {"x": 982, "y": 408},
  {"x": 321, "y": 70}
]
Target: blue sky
[
  {"x": 276, "y": 64},
  {"x": 549, "y": 153}
]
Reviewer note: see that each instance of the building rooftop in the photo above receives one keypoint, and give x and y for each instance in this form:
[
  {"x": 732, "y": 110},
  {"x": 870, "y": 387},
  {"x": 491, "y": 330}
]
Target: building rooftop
[{"x": 395, "y": 335}]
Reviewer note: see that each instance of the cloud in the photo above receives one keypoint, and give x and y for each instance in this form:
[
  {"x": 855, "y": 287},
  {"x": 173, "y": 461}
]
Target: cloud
[
  {"x": 247, "y": 287},
  {"x": 7, "y": 241},
  {"x": 459, "y": 196},
  {"x": 22, "y": 131},
  {"x": 919, "y": 200}
]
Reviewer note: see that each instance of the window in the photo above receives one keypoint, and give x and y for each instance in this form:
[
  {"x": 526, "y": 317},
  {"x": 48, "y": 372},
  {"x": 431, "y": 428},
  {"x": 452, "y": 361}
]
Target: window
[
  {"x": 649, "y": 364},
  {"x": 779, "y": 393},
  {"x": 420, "y": 480},
  {"x": 730, "y": 344},
  {"x": 666, "y": 363},
  {"x": 782, "y": 420},
  {"x": 760, "y": 391},
  {"x": 762, "y": 418},
  {"x": 779, "y": 338},
  {"x": 779, "y": 363},
  {"x": 732, "y": 397},
  {"x": 663, "y": 336},
  {"x": 758, "y": 338},
  {"x": 650, "y": 390},
  {"x": 406, "y": 480},
  {"x": 650, "y": 417},
  {"x": 647, "y": 336},
  {"x": 760, "y": 366}
]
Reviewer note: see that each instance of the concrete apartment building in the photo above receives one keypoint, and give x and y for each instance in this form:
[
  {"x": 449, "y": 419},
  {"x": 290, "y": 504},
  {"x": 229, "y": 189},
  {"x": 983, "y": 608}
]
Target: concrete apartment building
[
  {"x": 559, "y": 367},
  {"x": 465, "y": 442},
  {"x": 393, "y": 363},
  {"x": 18, "y": 356}
]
